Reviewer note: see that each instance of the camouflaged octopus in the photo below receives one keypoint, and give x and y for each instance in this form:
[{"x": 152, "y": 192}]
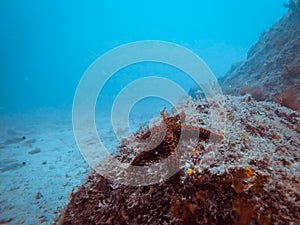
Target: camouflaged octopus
[{"x": 162, "y": 140}]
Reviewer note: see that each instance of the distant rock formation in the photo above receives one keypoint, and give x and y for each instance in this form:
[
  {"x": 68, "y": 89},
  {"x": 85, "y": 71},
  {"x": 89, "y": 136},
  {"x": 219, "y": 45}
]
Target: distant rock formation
[
  {"x": 293, "y": 5},
  {"x": 272, "y": 67}
]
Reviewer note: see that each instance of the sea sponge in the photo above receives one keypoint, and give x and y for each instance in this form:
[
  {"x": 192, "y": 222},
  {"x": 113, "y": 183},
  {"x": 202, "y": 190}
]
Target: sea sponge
[{"x": 288, "y": 98}]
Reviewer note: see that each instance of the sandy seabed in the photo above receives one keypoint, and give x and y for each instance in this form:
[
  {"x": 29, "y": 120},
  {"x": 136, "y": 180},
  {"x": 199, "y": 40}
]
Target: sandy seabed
[{"x": 40, "y": 163}]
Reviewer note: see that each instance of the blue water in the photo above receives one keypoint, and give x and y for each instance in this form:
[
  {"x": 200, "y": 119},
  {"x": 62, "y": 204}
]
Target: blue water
[{"x": 47, "y": 45}]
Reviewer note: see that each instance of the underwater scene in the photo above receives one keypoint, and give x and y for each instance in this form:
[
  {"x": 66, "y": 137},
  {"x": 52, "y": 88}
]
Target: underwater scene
[{"x": 150, "y": 112}]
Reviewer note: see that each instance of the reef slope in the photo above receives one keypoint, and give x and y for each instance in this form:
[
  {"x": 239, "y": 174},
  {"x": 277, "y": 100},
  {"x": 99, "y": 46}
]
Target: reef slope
[{"x": 272, "y": 68}]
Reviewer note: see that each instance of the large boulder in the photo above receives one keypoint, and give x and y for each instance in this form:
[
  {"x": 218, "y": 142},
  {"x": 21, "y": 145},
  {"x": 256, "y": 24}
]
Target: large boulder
[{"x": 251, "y": 177}]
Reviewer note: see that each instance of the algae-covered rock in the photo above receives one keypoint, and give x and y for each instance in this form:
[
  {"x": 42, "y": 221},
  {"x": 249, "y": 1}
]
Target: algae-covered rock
[{"x": 252, "y": 176}]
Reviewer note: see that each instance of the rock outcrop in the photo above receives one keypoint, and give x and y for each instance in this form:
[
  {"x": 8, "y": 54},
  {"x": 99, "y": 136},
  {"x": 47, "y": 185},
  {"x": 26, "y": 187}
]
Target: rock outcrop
[
  {"x": 272, "y": 68},
  {"x": 250, "y": 177}
]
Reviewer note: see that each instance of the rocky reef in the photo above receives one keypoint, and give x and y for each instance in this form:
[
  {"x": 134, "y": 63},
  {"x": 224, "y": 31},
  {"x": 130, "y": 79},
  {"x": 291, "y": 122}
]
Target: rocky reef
[
  {"x": 272, "y": 69},
  {"x": 251, "y": 176}
]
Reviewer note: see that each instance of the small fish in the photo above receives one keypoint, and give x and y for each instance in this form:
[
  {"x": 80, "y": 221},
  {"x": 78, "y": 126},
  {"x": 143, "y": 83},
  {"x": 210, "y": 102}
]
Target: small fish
[
  {"x": 6, "y": 165},
  {"x": 14, "y": 140}
]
